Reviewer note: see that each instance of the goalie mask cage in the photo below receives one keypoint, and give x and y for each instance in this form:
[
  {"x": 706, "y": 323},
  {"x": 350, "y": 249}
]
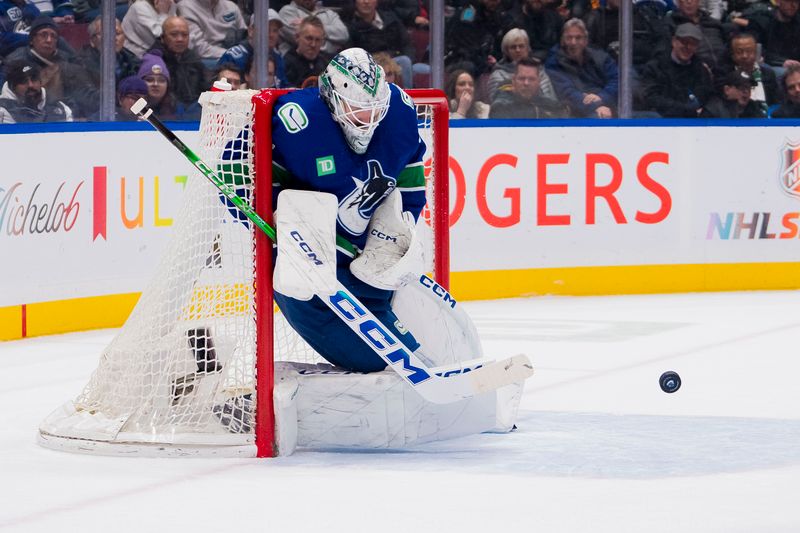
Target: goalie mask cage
[{"x": 191, "y": 371}]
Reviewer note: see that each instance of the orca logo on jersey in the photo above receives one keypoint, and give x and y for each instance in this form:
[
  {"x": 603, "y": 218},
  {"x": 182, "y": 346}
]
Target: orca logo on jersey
[
  {"x": 357, "y": 207},
  {"x": 370, "y": 330},
  {"x": 293, "y": 117}
]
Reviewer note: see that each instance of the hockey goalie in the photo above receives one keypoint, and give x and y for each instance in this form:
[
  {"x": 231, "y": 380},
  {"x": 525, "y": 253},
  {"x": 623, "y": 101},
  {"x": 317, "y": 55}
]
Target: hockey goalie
[
  {"x": 399, "y": 365},
  {"x": 348, "y": 160}
]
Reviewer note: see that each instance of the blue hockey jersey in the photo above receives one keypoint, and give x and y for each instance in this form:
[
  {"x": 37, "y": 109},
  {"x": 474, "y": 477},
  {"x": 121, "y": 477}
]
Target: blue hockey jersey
[{"x": 310, "y": 152}]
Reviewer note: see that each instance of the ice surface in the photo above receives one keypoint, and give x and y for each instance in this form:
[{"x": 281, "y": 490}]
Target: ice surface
[{"x": 599, "y": 448}]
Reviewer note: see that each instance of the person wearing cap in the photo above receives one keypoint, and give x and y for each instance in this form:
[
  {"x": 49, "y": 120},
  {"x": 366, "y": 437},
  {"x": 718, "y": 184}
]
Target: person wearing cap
[
  {"x": 677, "y": 83},
  {"x": 714, "y": 34},
  {"x": 214, "y": 25},
  {"x": 63, "y": 77},
  {"x": 189, "y": 77},
  {"x": 23, "y": 99},
  {"x": 143, "y": 23},
  {"x": 790, "y": 107},
  {"x": 156, "y": 76},
  {"x": 733, "y": 100},
  {"x": 293, "y": 13},
  {"x": 129, "y": 90},
  {"x": 242, "y": 54},
  {"x": 584, "y": 77}
]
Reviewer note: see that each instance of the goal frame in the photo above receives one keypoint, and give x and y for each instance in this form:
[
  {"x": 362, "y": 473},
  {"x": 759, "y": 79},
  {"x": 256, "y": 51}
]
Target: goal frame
[{"x": 265, "y": 434}]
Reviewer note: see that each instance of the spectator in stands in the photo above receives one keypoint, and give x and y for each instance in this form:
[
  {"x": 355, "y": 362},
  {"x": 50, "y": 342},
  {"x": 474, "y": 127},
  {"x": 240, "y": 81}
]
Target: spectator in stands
[
  {"x": 292, "y": 15},
  {"x": 16, "y": 16},
  {"x": 734, "y": 101},
  {"x": 678, "y": 84},
  {"x": 515, "y": 46},
  {"x": 129, "y": 91},
  {"x": 651, "y": 34},
  {"x": 473, "y": 35},
  {"x": 214, "y": 25},
  {"x": 525, "y": 100},
  {"x": 189, "y": 76},
  {"x": 59, "y": 10},
  {"x": 790, "y": 107},
  {"x": 126, "y": 64},
  {"x": 229, "y": 72},
  {"x": 156, "y": 75},
  {"x": 713, "y": 46},
  {"x": 23, "y": 99},
  {"x": 390, "y": 67},
  {"x": 88, "y": 10},
  {"x": 250, "y": 74},
  {"x": 569, "y": 9},
  {"x": 144, "y": 22},
  {"x": 543, "y": 25},
  {"x": 460, "y": 90},
  {"x": 64, "y": 79},
  {"x": 378, "y": 30},
  {"x": 586, "y": 78},
  {"x": 412, "y": 13},
  {"x": 743, "y": 57},
  {"x": 778, "y": 31},
  {"x": 603, "y": 27},
  {"x": 715, "y": 8},
  {"x": 241, "y": 54},
  {"x": 307, "y": 59}
]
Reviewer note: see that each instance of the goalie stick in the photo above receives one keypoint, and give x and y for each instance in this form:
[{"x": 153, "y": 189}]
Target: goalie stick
[{"x": 437, "y": 385}]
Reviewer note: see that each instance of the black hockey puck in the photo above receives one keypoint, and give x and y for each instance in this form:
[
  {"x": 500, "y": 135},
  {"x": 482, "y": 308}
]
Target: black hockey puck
[{"x": 670, "y": 381}]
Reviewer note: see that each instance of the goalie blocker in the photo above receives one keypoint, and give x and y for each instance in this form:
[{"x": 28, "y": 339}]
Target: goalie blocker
[{"x": 325, "y": 406}]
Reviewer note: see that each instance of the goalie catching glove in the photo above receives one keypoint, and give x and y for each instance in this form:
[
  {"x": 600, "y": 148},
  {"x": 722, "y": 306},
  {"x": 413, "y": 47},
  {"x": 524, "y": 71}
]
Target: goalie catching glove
[{"x": 392, "y": 255}]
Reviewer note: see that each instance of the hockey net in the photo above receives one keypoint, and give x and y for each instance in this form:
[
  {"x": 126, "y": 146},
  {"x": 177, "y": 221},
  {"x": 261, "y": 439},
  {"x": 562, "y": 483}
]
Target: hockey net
[{"x": 180, "y": 378}]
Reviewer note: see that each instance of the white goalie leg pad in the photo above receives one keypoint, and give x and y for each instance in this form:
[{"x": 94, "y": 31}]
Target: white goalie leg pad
[
  {"x": 321, "y": 407},
  {"x": 306, "y": 227},
  {"x": 444, "y": 330},
  {"x": 393, "y": 253}
]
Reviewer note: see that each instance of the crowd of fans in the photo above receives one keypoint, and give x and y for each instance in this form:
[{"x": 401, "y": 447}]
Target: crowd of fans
[{"x": 503, "y": 58}]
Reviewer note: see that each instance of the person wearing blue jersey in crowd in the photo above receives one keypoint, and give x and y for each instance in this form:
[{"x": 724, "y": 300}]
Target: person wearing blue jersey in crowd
[
  {"x": 365, "y": 131},
  {"x": 16, "y": 17}
]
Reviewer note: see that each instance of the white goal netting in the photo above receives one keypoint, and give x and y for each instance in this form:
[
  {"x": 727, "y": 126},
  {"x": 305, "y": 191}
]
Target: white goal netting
[{"x": 179, "y": 375}]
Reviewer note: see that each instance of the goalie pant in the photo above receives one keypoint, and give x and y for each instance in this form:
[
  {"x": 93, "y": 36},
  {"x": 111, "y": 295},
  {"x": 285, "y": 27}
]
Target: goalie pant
[{"x": 332, "y": 338}]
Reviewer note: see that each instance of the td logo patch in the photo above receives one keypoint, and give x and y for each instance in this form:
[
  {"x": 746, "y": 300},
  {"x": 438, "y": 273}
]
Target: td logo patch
[
  {"x": 325, "y": 166},
  {"x": 293, "y": 117}
]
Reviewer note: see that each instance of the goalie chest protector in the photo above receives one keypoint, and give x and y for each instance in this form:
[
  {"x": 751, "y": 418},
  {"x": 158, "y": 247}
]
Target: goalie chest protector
[{"x": 310, "y": 153}]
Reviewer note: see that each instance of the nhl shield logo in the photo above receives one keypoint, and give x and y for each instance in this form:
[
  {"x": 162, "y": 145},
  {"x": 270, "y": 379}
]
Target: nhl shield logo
[{"x": 790, "y": 168}]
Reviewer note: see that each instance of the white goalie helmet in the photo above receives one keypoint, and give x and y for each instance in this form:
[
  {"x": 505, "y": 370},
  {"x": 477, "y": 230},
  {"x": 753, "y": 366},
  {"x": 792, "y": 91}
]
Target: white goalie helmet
[{"x": 355, "y": 89}]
